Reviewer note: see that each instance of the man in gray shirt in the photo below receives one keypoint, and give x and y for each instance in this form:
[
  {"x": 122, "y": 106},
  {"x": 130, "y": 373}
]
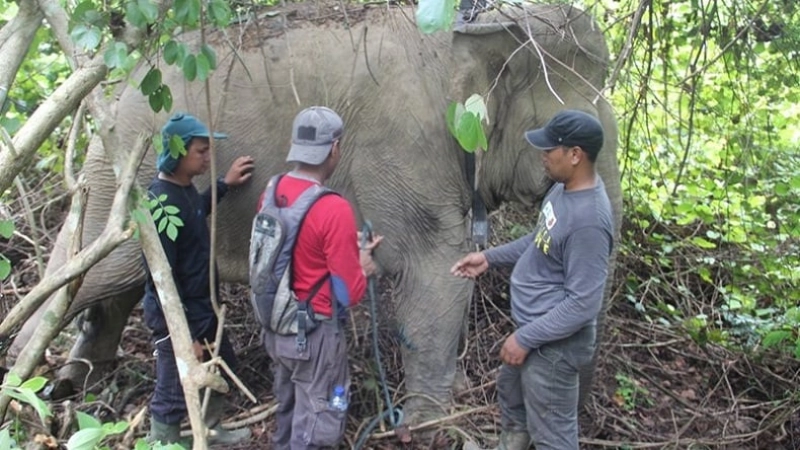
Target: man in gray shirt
[{"x": 556, "y": 289}]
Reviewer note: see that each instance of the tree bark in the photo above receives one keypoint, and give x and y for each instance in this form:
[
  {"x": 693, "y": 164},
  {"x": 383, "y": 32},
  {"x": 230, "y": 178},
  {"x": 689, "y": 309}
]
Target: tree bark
[{"x": 15, "y": 39}]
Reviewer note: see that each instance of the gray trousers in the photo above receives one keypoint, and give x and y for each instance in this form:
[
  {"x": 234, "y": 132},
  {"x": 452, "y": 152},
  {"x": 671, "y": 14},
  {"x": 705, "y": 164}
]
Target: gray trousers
[
  {"x": 541, "y": 395},
  {"x": 303, "y": 384}
]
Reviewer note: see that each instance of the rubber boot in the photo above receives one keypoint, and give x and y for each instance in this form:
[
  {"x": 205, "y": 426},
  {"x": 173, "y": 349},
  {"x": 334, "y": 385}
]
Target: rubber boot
[
  {"x": 221, "y": 436},
  {"x": 509, "y": 440},
  {"x": 216, "y": 434},
  {"x": 164, "y": 433}
]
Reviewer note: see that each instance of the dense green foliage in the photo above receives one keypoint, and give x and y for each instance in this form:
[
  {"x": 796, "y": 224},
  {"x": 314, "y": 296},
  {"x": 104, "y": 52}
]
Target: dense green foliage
[{"x": 707, "y": 102}]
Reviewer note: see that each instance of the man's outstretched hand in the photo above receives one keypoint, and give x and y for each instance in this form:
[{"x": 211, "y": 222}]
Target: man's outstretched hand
[{"x": 240, "y": 172}]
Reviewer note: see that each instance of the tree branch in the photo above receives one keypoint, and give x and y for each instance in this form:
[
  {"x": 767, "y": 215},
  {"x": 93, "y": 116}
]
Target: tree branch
[
  {"x": 44, "y": 120},
  {"x": 15, "y": 39},
  {"x": 114, "y": 234}
]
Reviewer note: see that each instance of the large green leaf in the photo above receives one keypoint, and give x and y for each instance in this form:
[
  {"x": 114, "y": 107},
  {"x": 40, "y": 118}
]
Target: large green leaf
[
  {"x": 85, "y": 439},
  {"x": 86, "y": 37},
  {"x": 187, "y": 11},
  {"x": 210, "y": 55},
  {"x": 219, "y": 12},
  {"x": 85, "y": 421},
  {"x": 151, "y": 82},
  {"x": 116, "y": 55},
  {"x": 203, "y": 67},
  {"x": 190, "y": 67},
  {"x": 435, "y": 15}
]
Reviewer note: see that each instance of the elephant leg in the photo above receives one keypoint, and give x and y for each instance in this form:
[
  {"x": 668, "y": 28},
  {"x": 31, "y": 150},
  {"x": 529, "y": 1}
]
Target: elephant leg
[
  {"x": 99, "y": 333},
  {"x": 431, "y": 312}
]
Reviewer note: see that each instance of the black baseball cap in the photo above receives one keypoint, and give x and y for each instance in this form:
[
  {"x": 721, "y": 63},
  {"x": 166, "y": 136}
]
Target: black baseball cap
[{"x": 570, "y": 128}]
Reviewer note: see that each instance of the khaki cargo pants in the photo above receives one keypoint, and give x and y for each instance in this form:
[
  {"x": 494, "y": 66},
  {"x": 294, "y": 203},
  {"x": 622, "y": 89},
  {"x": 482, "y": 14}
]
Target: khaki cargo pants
[{"x": 303, "y": 384}]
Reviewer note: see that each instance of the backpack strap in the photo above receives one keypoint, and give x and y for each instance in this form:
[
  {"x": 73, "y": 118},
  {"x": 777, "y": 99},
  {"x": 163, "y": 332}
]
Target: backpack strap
[{"x": 303, "y": 315}]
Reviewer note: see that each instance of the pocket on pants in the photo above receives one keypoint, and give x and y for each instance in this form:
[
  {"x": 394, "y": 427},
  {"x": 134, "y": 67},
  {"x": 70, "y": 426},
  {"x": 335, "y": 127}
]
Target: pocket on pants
[
  {"x": 286, "y": 347},
  {"x": 328, "y": 426}
]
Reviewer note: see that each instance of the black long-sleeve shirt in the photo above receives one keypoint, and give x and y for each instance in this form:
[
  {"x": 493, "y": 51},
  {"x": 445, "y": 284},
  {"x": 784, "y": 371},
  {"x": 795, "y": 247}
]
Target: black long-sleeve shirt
[{"x": 188, "y": 255}]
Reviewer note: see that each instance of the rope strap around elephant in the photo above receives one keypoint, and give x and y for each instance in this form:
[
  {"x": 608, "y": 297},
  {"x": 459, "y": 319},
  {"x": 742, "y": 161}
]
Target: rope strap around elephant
[{"x": 395, "y": 415}]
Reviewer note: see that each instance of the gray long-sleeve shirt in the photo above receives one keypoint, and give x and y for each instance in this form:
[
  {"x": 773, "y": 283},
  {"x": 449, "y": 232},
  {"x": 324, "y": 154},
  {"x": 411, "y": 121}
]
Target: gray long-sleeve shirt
[{"x": 560, "y": 269}]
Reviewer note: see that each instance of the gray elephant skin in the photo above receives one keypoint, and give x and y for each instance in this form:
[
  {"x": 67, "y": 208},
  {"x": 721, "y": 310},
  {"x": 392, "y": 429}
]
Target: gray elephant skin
[{"x": 400, "y": 168}]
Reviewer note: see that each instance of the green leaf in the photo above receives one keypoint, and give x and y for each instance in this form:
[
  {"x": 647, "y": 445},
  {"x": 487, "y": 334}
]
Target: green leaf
[
  {"x": 175, "y": 220},
  {"x": 34, "y": 384},
  {"x": 172, "y": 51},
  {"x": 435, "y": 15},
  {"x": 149, "y": 10},
  {"x": 190, "y": 67},
  {"x": 86, "y": 421},
  {"x": 5, "y": 440},
  {"x": 13, "y": 380},
  {"x": 135, "y": 15},
  {"x": 157, "y": 214},
  {"x": 171, "y": 209},
  {"x": 166, "y": 97},
  {"x": 469, "y": 132},
  {"x": 87, "y": 14},
  {"x": 219, "y": 12},
  {"x": 151, "y": 82},
  {"x": 187, "y": 11},
  {"x": 176, "y": 147},
  {"x": 775, "y": 337},
  {"x": 703, "y": 242},
  {"x": 87, "y": 37},
  {"x": 6, "y": 228},
  {"x": 203, "y": 67},
  {"x": 476, "y": 105},
  {"x": 154, "y": 100},
  {"x": 450, "y": 116},
  {"x": 85, "y": 439},
  {"x": 210, "y": 55},
  {"x": 172, "y": 231},
  {"x": 5, "y": 268},
  {"x": 162, "y": 224},
  {"x": 116, "y": 55}
]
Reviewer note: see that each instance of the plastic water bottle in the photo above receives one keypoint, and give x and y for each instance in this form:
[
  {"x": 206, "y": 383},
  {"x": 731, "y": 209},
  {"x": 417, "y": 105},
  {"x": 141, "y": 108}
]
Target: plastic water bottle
[{"x": 338, "y": 401}]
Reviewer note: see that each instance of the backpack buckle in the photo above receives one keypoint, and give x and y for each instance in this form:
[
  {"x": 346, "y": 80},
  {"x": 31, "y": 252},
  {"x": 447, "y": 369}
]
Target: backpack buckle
[{"x": 302, "y": 318}]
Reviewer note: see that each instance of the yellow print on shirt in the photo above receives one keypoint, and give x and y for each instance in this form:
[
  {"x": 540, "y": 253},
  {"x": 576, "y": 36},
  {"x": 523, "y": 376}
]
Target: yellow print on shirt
[{"x": 542, "y": 240}]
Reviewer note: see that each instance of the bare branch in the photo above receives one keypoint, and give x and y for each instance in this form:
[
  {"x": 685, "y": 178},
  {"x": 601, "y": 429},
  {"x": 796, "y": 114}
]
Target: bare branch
[
  {"x": 15, "y": 39},
  {"x": 114, "y": 234},
  {"x": 46, "y": 117}
]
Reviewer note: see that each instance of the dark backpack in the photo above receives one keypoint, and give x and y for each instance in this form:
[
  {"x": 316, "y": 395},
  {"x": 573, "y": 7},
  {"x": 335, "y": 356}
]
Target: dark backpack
[{"x": 272, "y": 242}]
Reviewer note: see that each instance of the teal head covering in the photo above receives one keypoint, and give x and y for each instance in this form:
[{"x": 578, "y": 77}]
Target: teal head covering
[{"x": 187, "y": 127}]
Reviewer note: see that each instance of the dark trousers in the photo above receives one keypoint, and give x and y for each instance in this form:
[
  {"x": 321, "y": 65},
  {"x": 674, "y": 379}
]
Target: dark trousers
[
  {"x": 303, "y": 386},
  {"x": 541, "y": 395},
  {"x": 168, "y": 404}
]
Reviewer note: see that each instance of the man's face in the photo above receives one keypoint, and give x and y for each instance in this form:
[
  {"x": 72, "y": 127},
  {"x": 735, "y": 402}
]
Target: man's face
[
  {"x": 558, "y": 162},
  {"x": 197, "y": 159}
]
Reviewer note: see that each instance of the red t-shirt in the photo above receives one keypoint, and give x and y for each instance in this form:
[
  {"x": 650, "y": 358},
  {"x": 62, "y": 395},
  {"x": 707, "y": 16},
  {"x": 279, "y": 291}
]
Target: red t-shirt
[{"x": 326, "y": 243}]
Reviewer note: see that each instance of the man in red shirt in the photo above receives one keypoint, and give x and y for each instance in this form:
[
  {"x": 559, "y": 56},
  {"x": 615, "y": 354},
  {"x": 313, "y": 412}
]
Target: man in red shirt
[{"x": 326, "y": 251}]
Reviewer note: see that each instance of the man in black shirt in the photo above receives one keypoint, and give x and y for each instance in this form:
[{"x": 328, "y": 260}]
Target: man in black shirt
[{"x": 188, "y": 253}]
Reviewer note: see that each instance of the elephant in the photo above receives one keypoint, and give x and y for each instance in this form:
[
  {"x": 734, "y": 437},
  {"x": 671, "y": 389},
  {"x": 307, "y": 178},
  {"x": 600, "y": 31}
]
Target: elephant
[{"x": 401, "y": 169}]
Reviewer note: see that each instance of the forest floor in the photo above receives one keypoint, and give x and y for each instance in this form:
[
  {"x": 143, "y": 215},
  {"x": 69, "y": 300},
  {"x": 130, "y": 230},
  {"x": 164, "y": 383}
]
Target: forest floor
[{"x": 654, "y": 386}]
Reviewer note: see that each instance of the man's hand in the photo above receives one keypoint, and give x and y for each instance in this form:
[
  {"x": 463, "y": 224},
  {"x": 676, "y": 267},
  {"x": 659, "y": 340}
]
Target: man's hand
[
  {"x": 470, "y": 266},
  {"x": 241, "y": 170},
  {"x": 512, "y": 353},
  {"x": 365, "y": 254}
]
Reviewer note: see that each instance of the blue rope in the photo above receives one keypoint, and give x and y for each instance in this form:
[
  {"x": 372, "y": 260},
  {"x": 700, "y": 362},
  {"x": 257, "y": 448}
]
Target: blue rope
[{"x": 395, "y": 415}]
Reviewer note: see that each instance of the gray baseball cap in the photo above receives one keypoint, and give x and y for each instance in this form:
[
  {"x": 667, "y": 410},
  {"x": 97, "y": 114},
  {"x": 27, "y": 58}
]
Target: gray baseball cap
[{"x": 313, "y": 133}]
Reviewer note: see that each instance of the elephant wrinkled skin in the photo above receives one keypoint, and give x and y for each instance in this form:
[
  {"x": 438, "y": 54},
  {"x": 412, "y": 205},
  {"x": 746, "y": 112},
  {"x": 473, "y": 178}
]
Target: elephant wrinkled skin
[{"x": 400, "y": 168}]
